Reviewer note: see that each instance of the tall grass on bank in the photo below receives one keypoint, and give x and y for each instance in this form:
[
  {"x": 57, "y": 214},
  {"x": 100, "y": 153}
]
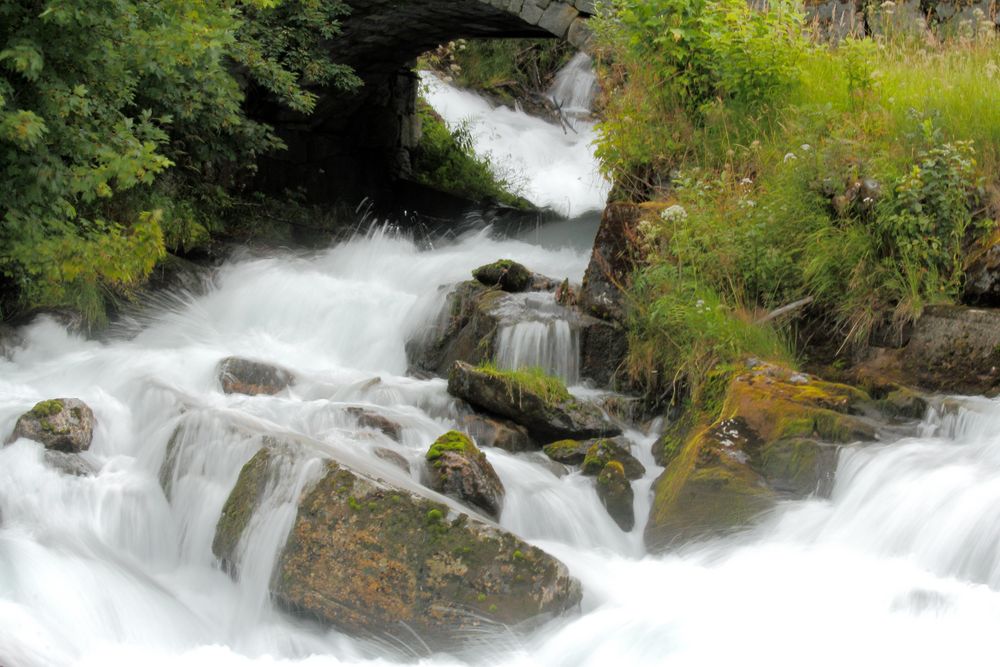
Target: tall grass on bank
[{"x": 859, "y": 182}]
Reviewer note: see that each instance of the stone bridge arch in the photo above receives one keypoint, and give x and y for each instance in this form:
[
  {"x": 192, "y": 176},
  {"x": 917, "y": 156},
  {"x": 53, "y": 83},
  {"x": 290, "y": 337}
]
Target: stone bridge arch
[{"x": 358, "y": 145}]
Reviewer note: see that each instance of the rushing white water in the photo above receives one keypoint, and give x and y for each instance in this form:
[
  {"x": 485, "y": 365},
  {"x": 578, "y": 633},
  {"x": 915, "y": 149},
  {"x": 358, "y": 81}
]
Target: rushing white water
[
  {"x": 551, "y": 165},
  {"x": 575, "y": 87},
  {"x": 900, "y": 566},
  {"x": 541, "y": 334}
]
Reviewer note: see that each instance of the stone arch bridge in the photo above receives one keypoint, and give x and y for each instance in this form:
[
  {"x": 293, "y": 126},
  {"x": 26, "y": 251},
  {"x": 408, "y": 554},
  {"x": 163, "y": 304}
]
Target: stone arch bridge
[{"x": 358, "y": 144}]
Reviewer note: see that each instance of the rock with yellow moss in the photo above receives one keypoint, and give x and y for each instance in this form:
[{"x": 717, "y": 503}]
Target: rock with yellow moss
[
  {"x": 772, "y": 433},
  {"x": 459, "y": 469},
  {"x": 374, "y": 559}
]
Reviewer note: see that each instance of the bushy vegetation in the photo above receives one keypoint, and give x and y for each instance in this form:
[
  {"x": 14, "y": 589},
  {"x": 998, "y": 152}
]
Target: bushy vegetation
[
  {"x": 102, "y": 100},
  {"x": 850, "y": 176}
]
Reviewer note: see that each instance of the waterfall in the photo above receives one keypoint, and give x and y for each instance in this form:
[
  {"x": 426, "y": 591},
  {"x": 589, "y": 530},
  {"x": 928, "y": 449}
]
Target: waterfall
[
  {"x": 901, "y": 565},
  {"x": 575, "y": 87},
  {"x": 552, "y": 165}
]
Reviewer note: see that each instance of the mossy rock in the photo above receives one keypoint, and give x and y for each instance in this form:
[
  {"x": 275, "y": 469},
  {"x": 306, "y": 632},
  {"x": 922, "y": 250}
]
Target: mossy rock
[
  {"x": 60, "y": 424},
  {"x": 373, "y": 560},
  {"x": 604, "y": 451},
  {"x": 506, "y": 274},
  {"x": 243, "y": 502},
  {"x": 568, "y": 452},
  {"x": 615, "y": 492},
  {"x": 542, "y": 406},
  {"x": 772, "y": 433},
  {"x": 459, "y": 469}
]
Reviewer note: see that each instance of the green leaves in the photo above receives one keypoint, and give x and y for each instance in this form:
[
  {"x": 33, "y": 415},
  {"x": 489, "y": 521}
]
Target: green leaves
[{"x": 23, "y": 58}]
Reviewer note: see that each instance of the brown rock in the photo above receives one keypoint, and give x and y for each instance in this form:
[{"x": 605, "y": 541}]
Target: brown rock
[
  {"x": 245, "y": 376},
  {"x": 616, "y": 495},
  {"x": 62, "y": 424},
  {"x": 370, "y": 419},
  {"x": 495, "y": 432}
]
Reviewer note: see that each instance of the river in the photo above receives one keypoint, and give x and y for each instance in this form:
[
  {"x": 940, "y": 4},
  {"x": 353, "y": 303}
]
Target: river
[{"x": 901, "y": 565}]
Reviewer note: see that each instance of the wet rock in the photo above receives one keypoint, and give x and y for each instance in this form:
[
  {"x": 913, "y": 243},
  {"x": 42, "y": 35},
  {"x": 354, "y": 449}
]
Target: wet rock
[
  {"x": 603, "y": 349},
  {"x": 243, "y": 501},
  {"x": 371, "y": 559},
  {"x": 506, "y": 274},
  {"x": 395, "y": 458},
  {"x": 459, "y": 469},
  {"x": 612, "y": 262},
  {"x": 246, "y": 376},
  {"x": 616, "y": 495},
  {"x": 954, "y": 349},
  {"x": 552, "y": 416},
  {"x": 370, "y": 419},
  {"x": 69, "y": 464},
  {"x": 500, "y": 433},
  {"x": 771, "y": 435},
  {"x": 604, "y": 451},
  {"x": 62, "y": 424},
  {"x": 568, "y": 452},
  {"x": 466, "y": 331}
]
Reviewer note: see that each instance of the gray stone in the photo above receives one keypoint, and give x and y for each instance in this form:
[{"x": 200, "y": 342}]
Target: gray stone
[
  {"x": 955, "y": 349},
  {"x": 459, "y": 469},
  {"x": 557, "y": 19}
]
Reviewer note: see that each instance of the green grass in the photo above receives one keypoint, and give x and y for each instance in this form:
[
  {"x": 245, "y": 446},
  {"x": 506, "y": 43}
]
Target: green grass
[
  {"x": 530, "y": 380},
  {"x": 859, "y": 188}
]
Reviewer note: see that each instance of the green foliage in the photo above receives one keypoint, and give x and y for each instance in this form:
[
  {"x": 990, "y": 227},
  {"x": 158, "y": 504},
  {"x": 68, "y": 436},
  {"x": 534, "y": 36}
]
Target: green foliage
[
  {"x": 100, "y": 98},
  {"x": 452, "y": 441},
  {"x": 445, "y": 160},
  {"x": 676, "y": 63}
]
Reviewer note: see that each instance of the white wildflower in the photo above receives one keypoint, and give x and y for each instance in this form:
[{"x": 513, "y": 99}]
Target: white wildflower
[
  {"x": 746, "y": 181},
  {"x": 791, "y": 156},
  {"x": 805, "y": 148},
  {"x": 674, "y": 213}
]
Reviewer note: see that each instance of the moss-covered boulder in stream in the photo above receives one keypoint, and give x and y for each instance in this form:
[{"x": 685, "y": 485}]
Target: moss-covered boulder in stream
[
  {"x": 771, "y": 432},
  {"x": 539, "y": 403},
  {"x": 606, "y": 450},
  {"x": 61, "y": 424},
  {"x": 508, "y": 275},
  {"x": 369, "y": 558},
  {"x": 459, "y": 469}
]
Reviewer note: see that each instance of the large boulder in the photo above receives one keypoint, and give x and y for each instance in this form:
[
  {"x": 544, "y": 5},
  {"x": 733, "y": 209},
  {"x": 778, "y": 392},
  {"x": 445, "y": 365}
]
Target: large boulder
[
  {"x": 603, "y": 349},
  {"x": 616, "y": 495},
  {"x": 541, "y": 405},
  {"x": 372, "y": 559},
  {"x": 505, "y": 274},
  {"x": 773, "y": 436},
  {"x": 246, "y": 376},
  {"x": 62, "y": 424},
  {"x": 460, "y": 470}
]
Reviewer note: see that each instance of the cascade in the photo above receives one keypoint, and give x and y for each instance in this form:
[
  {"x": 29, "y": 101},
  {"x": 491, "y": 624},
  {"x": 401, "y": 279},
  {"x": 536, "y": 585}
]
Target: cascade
[{"x": 901, "y": 565}]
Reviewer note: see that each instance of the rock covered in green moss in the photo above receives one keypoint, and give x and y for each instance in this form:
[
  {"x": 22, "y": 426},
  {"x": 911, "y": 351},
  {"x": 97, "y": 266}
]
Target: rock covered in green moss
[
  {"x": 615, "y": 492},
  {"x": 246, "y": 376},
  {"x": 243, "y": 501},
  {"x": 604, "y": 451},
  {"x": 61, "y": 424},
  {"x": 772, "y": 433},
  {"x": 541, "y": 405},
  {"x": 506, "y": 274},
  {"x": 459, "y": 469},
  {"x": 568, "y": 452},
  {"x": 371, "y": 559}
]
